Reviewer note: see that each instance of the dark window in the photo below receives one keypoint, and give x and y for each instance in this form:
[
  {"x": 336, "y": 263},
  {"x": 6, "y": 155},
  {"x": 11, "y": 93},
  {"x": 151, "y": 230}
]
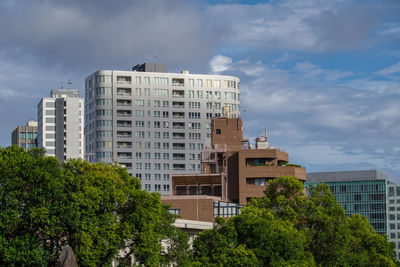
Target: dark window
[{"x": 218, "y": 131}]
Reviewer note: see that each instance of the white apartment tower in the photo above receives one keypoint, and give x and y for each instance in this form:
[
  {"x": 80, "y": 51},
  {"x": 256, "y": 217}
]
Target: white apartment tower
[
  {"x": 153, "y": 122},
  {"x": 60, "y": 124}
]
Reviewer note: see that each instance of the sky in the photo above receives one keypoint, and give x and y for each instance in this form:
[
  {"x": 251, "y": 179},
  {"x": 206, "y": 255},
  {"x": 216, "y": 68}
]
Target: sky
[{"x": 323, "y": 77}]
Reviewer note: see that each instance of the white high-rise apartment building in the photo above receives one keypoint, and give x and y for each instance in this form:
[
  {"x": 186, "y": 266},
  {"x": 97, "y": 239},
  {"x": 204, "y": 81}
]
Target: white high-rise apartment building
[
  {"x": 153, "y": 122},
  {"x": 60, "y": 124}
]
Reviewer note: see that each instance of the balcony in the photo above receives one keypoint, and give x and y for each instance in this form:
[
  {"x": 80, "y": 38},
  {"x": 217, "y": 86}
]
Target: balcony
[
  {"x": 126, "y": 103},
  {"x": 178, "y": 135},
  {"x": 178, "y": 115},
  {"x": 124, "y": 113},
  {"x": 124, "y": 80},
  {"x": 178, "y": 167},
  {"x": 178, "y": 93},
  {"x": 178, "y": 82},
  {"x": 178, "y": 125},
  {"x": 124, "y": 145},
  {"x": 177, "y": 104},
  {"x": 124, "y": 124},
  {"x": 178, "y": 146},
  {"x": 124, "y": 134}
]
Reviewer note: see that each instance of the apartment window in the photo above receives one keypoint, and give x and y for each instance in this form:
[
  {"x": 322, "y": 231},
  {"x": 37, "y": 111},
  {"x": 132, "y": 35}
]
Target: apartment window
[
  {"x": 157, "y": 187},
  {"x": 147, "y": 187},
  {"x": 147, "y": 155},
  {"x": 166, "y": 188},
  {"x": 192, "y": 156},
  {"x": 157, "y": 145},
  {"x": 157, "y": 114},
  {"x": 194, "y": 125},
  {"x": 166, "y": 177},
  {"x": 165, "y": 145},
  {"x": 217, "y": 84},
  {"x": 165, "y": 124},
  {"x": 140, "y": 103},
  {"x": 138, "y": 155},
  {"x": 199, "y": 94},
  {"x": 139, "y": 113},
  {"x": 157, "y": 124},
  {"x": 138, "y": 91},
  {"x": 165, "y": 166},
  {"x": 146, "y": 144},
  {"x": 165, "y": 155},
  {"x": 161, "y": 92},
  {"x": 200, "y": 146},
  {"x": 191, "y": 82},
  {"x": 139, "y": 134},
  {"x": 195, "y": 136},
  {"x": 165, "y": 104},
  {"x": 138, "y": 175},
  {"x": 165, "y": 114},
  {"x": 165, "y": 135},
  {"x": 138, "y": 166},
  {"x": 209, "y": 105},
  {"x": 147, "y": 176},
  {"x": 194, "y": 115},
  {"x": 157, "y": 177},
  {"x": 209, "y": 83},
  {"x": 191, "y": 93},
  {"x": 139, "y": 123},
  {"x": 192, "y": 146},
  {"x": 199, "y": 82},
  {"x": 208, "y": 94},
  {"x": 157, "y": 135},
  {"x": 157, "y": 155},
  {"x": 147, "y": 80},
  {"x": 157, "y": 103},
  {"x": 161, "y": 81},
  {"x": 138, "y": 80},
  {"x": 157, "y": 166},
  {"x": 194, "y": 104},
  {"x": 147, "y": 166},
  {"x": 138, "y": 144}
]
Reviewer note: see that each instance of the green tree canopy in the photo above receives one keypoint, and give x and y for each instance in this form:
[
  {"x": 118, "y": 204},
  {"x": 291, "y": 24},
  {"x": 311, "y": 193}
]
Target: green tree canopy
[
  {"x": 289, "y": 228},
  {"x": 97, "y": 209}
]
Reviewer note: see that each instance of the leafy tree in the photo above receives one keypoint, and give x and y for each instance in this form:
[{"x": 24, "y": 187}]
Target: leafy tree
[
  {"x": 95, "y": 208},
  {"x": 289, "y": 228}
]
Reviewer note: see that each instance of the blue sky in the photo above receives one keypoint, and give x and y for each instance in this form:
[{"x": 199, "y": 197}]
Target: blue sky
[{"x": 322, "y": 76}]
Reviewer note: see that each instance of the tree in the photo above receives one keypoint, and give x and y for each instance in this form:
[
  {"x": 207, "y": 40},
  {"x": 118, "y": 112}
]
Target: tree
[
  {"x": 97, "y": 209},
  {"x": 289, "y": 228}
]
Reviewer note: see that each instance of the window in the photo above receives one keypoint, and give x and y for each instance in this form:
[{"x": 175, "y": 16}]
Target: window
[
  {"x": 165, "y": 166},
  {"x": 191, "y": 93},
  {"x": 138, "y": 155},
  {"x": 157, "y": 166},
  {"x": 194, "y": 125},
  {"x": 165, "y": 104},
  {"x": 161, "y": 92},
  {"x": 165, "y": 155},
  {"x": 218, "y": 131},
  {"x": 138, "y": 166},
  {"x": 199, "y": 94},
  {"x": 157, "y": 103},
  {"x": 147, "y": 155},
  {"x": 199, "y": 82},
  {"x": 259, "y": 182},
  {"x": 165, "y": 124},
  {"x": 139, "y": 123},
  {"x": 165, "y": 145},
  {"x": 161, "y": 81},
  {"x": 157, "y": 177},
  {"x": 139, "y": 113},
  {"x": 165, "y": 114},
  {"x": 157, "y": 155},
  {"x": 147, "y": 166},
  {"x": 208, "y": 94},
  {"x": 165, "y": 135},
  {"x": 147, "y": 176},
  {"x": 138, "y": 91},
  {"x": 157, "y": 124},
  {"x": 140, "y": 103},
  {"x": 194, "y": 115},
  {"x": 157, "y": 114},
  {"x": 191, "y": 82},
  {"x": 194, "y": 104}
]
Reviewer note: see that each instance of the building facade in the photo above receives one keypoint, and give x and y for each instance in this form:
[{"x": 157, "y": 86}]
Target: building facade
[
  {"x": 60, "y": 124},
  {"x": 153, "y": 122},
  {"x": 232, "y": 174},
  {"x": 368, "y": 193},
  {"x": 25, "y": 136}
]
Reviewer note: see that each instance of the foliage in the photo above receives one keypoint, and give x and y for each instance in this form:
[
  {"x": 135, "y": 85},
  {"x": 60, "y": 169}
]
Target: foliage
[
  {"x": 288, "y": 228},
  {"x": 96, "y": 208}
]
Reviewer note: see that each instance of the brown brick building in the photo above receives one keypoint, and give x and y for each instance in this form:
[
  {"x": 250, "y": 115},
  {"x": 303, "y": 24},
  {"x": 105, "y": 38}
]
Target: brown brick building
[{"x": 232, "y": 173}]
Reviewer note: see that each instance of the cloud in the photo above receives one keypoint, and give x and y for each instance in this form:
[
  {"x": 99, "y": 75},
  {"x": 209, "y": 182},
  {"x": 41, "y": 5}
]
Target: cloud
[
  {"x": 389, "y": 70},
  {"x": 220, "y": 63},
  {"x": 310, "y": 70}
]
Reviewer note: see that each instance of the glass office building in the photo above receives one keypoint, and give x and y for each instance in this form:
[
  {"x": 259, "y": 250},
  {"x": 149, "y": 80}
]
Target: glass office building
[{"x": 368, "y": 193}]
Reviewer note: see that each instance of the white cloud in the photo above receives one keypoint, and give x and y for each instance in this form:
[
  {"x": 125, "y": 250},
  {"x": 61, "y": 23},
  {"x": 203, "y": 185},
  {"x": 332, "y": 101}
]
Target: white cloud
[
  {"x": 390, "y": 70},
  {"x": 220, "y": 63}
]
